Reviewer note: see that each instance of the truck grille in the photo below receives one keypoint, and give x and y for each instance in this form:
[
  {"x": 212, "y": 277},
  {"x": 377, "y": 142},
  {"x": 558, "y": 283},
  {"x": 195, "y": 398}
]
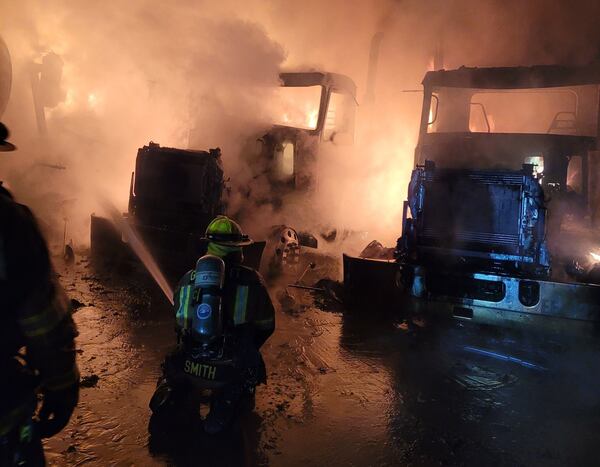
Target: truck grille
[
  {"x": 472, "y": 211},
  {"x": 507, "y": 240}
]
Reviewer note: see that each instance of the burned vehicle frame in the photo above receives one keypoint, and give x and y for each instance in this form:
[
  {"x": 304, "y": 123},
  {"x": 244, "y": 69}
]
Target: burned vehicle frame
[
  {"x": 498, "y": 225},
  {"x": 288, "y": 154},
  {"x": 175, "y": 193}
]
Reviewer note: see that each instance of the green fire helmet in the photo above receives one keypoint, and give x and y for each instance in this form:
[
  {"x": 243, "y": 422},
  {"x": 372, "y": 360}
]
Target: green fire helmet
[{"x": 225, "y": 231}]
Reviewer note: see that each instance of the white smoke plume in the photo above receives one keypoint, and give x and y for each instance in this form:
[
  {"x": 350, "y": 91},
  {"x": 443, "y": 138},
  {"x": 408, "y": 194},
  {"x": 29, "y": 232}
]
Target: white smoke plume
[{"x": 201, "y": 72}]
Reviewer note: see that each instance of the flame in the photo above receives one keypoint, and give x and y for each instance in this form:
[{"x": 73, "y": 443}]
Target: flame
[
  {"x": 305, "y": 118},
  {"x": 595, "y": 257},
  {"x": 297, "y": 106}
]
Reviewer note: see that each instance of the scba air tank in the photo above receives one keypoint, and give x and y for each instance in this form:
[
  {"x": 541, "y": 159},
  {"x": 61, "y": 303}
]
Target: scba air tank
[{"x": 207, "y": 318}]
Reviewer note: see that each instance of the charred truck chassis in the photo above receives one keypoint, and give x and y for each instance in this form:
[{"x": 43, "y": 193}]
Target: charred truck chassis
[
  {"x": 485, "y": 260},
  {"x": 175, "y": 193},
  {"x": 290, "y": 152},
  {"x": 483, "y": 236}
]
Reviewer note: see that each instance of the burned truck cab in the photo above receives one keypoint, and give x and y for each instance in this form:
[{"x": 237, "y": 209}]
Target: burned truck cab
[
  {"x": 175, "y": 193},
  {"x": 499, "y": 226},
  {"x": 312, "y": 108}
]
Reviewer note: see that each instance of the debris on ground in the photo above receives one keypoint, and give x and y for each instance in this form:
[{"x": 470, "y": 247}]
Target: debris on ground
[
  {"x": 76, "y": 304},
  {"x": 331, "y": 295},
  {"x": 286, "y": 300},
  {"x": 327, "y": 294},
  {"x": 309, "y": 267},
  {"x": 376, "y": 250},
  {"x": 307, "y": 287},
  {"x": 89, "y": 381},
  {"x": 473, "y": 377},
  {"x": 137, "y": 300}
]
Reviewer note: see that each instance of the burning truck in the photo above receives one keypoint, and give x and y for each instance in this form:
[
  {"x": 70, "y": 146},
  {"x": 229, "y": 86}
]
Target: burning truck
[
  {"x": 175, "y": 193},
  {"x": 500, "y": 224}
]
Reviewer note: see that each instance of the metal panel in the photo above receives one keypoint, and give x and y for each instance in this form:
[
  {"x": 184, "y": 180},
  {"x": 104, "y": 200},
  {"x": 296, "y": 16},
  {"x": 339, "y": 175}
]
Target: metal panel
[
  {"x": 557, "y": 299},
  {"x": 495, "y": 215}
]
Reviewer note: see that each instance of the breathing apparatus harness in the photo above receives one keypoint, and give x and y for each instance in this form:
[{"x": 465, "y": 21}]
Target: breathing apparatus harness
[{"x": 206, "y": 329}]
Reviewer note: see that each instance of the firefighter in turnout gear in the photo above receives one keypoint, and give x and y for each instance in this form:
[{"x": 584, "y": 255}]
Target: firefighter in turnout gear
[
  {"x": 40, "y": 382},
  {"x": 223, "y": 316}
]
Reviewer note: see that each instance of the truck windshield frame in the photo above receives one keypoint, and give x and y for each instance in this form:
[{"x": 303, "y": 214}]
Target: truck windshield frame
[
  {"x": 561, "y": 110},
  {"x": 298, "y": 106}
]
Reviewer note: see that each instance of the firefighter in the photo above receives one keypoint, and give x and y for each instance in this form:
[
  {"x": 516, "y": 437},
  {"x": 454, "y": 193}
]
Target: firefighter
[
  {"x": 39, "y": 386},
  {"x": 247, "y": 311}
]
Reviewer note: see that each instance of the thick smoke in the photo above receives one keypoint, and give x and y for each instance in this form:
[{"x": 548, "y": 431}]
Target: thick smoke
[
  {"x": 133, "y": 73},
  {"x": 199, "y": 74}
]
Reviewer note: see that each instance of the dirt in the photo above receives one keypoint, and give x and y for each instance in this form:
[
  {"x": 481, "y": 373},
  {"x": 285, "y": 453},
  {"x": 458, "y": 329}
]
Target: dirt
[{"x": 343, "y": 388}]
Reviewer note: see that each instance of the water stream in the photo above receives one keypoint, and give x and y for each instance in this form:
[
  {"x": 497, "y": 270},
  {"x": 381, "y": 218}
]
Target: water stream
[{"x": 139, "y": 248}]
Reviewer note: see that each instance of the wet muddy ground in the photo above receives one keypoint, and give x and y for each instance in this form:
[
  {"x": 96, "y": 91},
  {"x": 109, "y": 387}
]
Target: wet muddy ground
[{"x": 345, "y": 388}]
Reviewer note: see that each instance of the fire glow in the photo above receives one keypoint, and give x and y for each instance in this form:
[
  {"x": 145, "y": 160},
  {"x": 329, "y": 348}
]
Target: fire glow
[{"x": 297, "y": 106}]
